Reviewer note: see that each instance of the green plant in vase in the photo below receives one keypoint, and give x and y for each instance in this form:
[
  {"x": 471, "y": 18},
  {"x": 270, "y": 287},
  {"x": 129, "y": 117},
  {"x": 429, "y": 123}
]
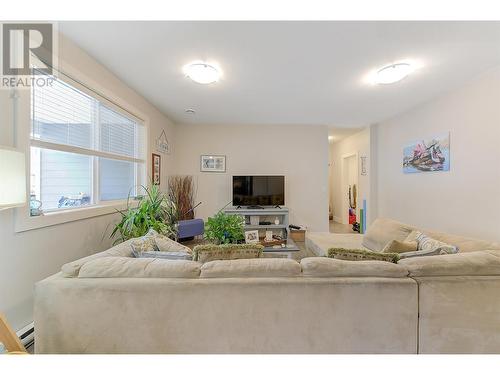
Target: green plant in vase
[
  {"x": 224, "y": 228},
  {"x": 154, "y": 211}
]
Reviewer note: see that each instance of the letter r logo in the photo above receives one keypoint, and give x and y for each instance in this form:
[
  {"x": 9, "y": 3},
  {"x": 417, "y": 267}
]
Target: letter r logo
[{"x": 18, "y": 40}]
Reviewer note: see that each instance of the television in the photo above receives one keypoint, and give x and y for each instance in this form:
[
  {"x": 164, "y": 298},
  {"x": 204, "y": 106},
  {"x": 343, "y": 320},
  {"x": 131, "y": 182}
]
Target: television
[{"x": 258, "y": 190}]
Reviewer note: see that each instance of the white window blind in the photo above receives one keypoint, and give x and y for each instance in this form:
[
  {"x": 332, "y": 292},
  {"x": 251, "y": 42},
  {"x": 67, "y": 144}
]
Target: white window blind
[{"x": 83, "y": 150}]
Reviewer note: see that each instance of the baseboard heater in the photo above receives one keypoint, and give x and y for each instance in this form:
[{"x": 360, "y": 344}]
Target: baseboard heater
[{"x": 27, "y": 335}]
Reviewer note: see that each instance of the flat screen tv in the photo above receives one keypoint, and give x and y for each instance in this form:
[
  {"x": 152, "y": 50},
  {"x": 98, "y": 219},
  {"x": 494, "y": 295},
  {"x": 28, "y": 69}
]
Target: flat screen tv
[{"x": 258, "y": 190}]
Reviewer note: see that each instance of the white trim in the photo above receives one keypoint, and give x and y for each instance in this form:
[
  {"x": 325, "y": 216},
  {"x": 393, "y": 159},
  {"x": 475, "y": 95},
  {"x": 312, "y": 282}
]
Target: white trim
[
  {"x": 82, "y": 151},
  {"x": 22, "y": 219},
  {"x": 23, "y": 222}
]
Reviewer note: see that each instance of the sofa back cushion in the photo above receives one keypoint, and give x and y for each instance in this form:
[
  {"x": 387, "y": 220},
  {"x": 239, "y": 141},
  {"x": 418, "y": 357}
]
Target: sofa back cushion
[
  {"x": 72, "y": 269},
  {"x": 464, "y": 244},
  {"x": 207, "y": 253},
  {"x": 328, "y": 267},
  {"x": 139, "y": 267},
  {"x": 382, "y": 231},
  {"x": 476, "y": 263},
  {"x": 263, "y": 267}
]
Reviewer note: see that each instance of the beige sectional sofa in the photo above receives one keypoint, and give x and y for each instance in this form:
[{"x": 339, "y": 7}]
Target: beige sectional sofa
[{"x": 113, "y": 303}]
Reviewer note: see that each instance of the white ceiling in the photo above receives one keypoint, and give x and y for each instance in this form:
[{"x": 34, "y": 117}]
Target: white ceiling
[
  {"x": 336, "y": 134},
  {"x": 289, "y": 72}
]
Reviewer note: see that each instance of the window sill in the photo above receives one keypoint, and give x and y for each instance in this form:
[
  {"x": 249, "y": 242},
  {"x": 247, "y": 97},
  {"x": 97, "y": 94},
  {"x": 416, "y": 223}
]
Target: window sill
[{"x": 24, "y": 222}]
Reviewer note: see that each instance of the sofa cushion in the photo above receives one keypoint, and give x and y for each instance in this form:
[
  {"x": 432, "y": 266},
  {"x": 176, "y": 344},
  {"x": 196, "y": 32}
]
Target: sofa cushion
[
  {"x": 465, "y": 244},
  {"x": 320, "y": 242},
  {"x": 142, "y": 244},
  {"x": 427, "y": 246},
  {"x": 382, "y": 231},
  {"x": 72, "y": 269},
  {"x": 477, "y": 263},
  {"x": 396, "y": 246},
  {"x": 327, "y": 267},
  {"x": 264, "y": 267},
  {"x": 361, "y": 254},
  {"x": 163, "y": 243},
  {"x": 173, "y": 255},
  {"x": 207, "y": 253},
  {"x": 143, "y": 267}
]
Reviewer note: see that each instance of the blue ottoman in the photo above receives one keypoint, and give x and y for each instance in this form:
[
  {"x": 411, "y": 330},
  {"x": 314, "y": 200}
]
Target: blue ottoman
[{"x": 190, "y": 228}]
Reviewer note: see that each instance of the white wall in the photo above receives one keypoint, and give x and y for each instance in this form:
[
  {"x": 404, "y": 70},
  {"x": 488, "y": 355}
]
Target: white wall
[
  {"x": 359, "y": 144},
  {"x": 466, "y": 199},
  {"x": 33, "y": 255},
  {"x": 298, "y": 152}
]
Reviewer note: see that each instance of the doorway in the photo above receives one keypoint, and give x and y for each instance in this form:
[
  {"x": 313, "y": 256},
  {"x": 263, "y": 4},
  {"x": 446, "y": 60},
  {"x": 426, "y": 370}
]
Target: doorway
[{"x": 349, "y": 186}]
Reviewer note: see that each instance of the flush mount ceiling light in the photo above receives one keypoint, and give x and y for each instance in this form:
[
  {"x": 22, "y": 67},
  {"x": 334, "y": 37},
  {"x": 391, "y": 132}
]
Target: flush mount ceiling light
[
  {"x": 393, "y": 73},
  {"x": 201, "y": 72},
  {"x": 190, "y": 111}
]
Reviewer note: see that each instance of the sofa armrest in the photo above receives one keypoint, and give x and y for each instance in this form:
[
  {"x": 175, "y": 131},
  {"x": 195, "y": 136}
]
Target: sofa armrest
[
  {"x": 72, "y": 269},
  {"x": 478, "y": 263}
]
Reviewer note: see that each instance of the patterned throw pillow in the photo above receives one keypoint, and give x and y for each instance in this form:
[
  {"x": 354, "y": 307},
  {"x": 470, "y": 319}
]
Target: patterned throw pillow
[
  {"x": 207, "y": 253},
  {"x": 360, "y": 254},
  {"x": 166, "y": 244},
  {"x": 426, "y": 243},
  {"x": 427, "y": 246},
  {"x": 155, "y": 245},
  {"x": 142, "y": 244},
  {"x": 396, "y": 246},
  {"x": 172, "y": 255}
]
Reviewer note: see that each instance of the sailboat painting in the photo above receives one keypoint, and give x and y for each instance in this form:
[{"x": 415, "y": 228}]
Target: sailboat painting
[{"x": 429, "y": 155}]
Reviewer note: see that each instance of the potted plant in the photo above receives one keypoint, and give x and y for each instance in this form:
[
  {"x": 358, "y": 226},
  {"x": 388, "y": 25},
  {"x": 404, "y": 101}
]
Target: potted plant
[
  {"x": 154, "y": 211},
  {"x": 181, "y": 190},
  {"x": 224, "y": 228}
]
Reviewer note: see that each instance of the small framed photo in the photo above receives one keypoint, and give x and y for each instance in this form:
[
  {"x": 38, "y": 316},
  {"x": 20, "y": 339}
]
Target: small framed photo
[
  {"x": 156, "y": 169},
  {"x": 252, "y": 236},
  {"x": 213, "y": 163}
]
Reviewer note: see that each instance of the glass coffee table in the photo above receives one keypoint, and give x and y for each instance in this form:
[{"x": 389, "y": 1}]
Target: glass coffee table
[{"x": 280, "y": 251}]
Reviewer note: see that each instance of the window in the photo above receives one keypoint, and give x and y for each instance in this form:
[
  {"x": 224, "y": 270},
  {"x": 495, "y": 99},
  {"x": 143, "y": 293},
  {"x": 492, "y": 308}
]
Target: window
[{"x": 84, "y": 150}]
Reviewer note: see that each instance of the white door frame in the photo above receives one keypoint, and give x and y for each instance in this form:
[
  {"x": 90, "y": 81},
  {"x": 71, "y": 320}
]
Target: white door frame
[{"x": 344, "y": 188}]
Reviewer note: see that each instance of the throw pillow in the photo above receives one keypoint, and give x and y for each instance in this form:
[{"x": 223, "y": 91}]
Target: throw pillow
[
  {"x": 207, "y": 253},
  {"x": 427, "y": 246},
  {"x": 412, "y": 237},
  {"x": 360, "y": 254},
  {"x": 141, "y": 244},
  {"x": 163, "y": 243},
  {"x": 428, "y": 243},
  {"x": 396, "y": 246},
  {"x": 172, "y": 255}
]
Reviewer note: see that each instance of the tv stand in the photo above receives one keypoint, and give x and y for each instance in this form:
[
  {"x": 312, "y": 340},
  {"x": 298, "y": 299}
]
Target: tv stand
[{"x": 267, "y": 214}]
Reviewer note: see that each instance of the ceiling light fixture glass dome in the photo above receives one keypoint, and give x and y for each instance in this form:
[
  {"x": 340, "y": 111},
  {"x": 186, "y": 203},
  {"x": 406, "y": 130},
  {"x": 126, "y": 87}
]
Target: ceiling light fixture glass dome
[
  {"x": 201, "y": 72},
  {"x": 393, "y": 73}
]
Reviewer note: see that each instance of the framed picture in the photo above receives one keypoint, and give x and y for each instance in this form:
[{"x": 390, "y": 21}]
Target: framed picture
[
  {"x": 428, "y": 155},
  {"x": 213, "y": 163},
  {"x": 252, "y": 236},
  {"x": 156, "y": 169}
]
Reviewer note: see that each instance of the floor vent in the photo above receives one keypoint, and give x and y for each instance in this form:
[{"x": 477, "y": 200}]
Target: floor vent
[{"x": 27, "y": 335}]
